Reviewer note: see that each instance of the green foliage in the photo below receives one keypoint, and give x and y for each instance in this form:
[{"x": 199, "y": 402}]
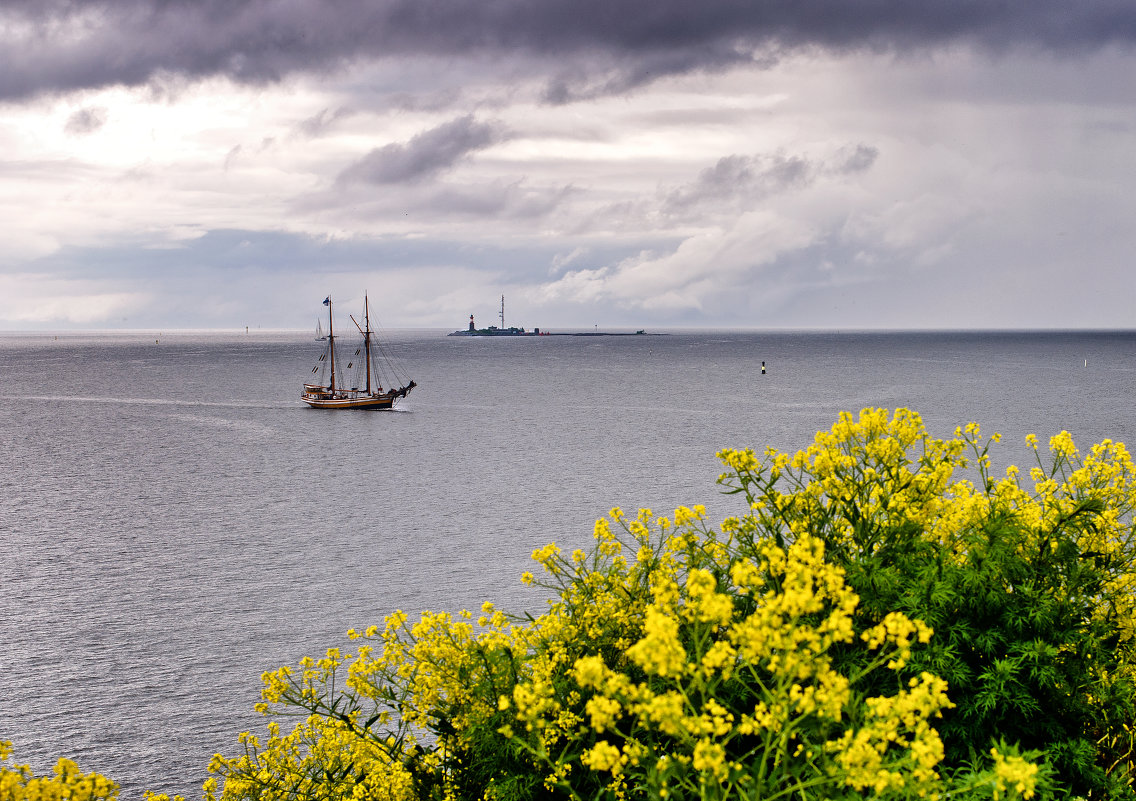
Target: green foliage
[{"x": 1017, "y": 639}]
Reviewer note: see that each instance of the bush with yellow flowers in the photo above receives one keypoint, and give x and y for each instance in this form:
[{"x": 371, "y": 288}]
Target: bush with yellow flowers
[
  {"x": 790, "y": 653},
  {"x": 19, "y": 782},
  {"x": 884, "y": 619},
  {"x": 1029, "y": 585},
  {"x": 700, "y": 668}
]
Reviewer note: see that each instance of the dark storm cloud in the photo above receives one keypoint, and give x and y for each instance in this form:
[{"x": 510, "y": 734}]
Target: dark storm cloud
[
  {"x": 53, "y": 45},
  {"x": 424, "y": 155}
]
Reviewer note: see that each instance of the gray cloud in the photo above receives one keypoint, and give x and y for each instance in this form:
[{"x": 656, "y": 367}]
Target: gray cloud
[
  {"x": 317, "y": 125},
  {"x": 741, "y": 181},
  {"x": 736, "y": 177},
  {"x": 86, "y": 120},
  {"x": 598, "y": 46},
  {"x": 425, "y": 155},
  {"x": 500, "y": 201},
  {"x": 445, "y": 204},
  {"x": 854, "y": 159},
  {"x": 231, "y": 157}
]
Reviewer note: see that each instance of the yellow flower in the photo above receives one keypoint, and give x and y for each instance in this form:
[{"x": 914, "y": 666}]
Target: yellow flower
[
  {"x": 710, "y": 757},
  {"x": 589, "y": 671},
  {"x": 1013, "y": 771},
  {"x": 602, "y": 711},
  {"x": 660, "y": 651},
  {"x": 19, "y": 783},
  {"x": 707, "y": 604},
  {"x": 602, "y": 756},
  {"x": 1062, "y": 445}
]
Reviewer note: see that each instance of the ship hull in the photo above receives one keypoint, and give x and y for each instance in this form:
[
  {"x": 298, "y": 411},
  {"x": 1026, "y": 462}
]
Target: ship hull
[{"x": 385, "y": 401}]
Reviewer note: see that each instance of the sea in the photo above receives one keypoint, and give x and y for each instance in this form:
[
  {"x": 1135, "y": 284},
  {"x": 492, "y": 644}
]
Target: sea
[{"x": 174, "y": 521}]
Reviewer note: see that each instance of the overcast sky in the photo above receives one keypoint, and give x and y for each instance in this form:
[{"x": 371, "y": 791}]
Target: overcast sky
[{"x": 641, "y": 163}]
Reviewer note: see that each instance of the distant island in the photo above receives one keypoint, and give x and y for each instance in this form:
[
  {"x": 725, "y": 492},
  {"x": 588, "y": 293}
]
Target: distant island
[
  {"x": 494, "y": 331},
  {"x": 513, "y": 331}
]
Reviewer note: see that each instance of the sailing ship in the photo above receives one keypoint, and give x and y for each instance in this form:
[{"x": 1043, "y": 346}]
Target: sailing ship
[
  {"x": 320, "y": 335},
  {"x": 359, "y": 384}
]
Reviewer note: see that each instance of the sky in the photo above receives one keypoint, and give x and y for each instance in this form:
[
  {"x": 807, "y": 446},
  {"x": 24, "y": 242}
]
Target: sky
[{"x": 824, "y": 164}]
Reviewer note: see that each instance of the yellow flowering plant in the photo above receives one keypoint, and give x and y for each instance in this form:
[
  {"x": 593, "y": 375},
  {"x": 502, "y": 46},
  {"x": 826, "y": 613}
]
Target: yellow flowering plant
[
  {"x": 19, "y": 782},
  {"x": 723, "y": 685},
  {"x": 410, "y": 713},
  {"x": 884, "y": 619},
  {"x": 692, "y": 663},
  {"x": 1028, "y": 583}
]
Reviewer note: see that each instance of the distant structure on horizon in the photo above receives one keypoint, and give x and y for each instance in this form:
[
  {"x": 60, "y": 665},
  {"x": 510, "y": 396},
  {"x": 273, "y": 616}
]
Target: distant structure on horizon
[
  {"x": 495, "y": 331},
  {"x": 513, "y": 331}
]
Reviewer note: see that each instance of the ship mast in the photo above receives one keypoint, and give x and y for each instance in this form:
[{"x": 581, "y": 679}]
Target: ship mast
[
  {"x": 366, "y": 332},
  {"x": 367, "y": 339},
  {"x": 331, "y": 343}
]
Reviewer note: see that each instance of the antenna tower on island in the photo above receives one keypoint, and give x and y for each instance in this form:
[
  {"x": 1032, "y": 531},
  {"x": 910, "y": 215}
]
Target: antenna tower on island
[{"x": 502, "y": 312}]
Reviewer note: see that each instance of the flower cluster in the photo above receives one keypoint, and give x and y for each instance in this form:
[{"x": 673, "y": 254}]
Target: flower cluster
[
  {"x": 19, "y": 783},
  {"x": 730, "y": 686},
  {"x": 1030, "y": 582}
]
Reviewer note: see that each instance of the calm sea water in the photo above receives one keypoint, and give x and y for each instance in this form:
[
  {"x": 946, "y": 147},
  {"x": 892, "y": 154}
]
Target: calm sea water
[{"x": 173, "y": 521}]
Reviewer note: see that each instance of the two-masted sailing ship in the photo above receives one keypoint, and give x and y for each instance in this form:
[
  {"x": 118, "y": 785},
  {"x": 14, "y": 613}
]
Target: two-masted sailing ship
[{"x": 365, "y": 380}]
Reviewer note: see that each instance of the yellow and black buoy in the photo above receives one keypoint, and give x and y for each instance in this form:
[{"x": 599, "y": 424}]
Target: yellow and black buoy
[{"x": 763, "y": 368}]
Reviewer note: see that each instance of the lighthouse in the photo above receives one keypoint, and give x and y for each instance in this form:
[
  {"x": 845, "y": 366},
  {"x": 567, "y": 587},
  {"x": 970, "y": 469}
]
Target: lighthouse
[{"x": 471, "y": 328}]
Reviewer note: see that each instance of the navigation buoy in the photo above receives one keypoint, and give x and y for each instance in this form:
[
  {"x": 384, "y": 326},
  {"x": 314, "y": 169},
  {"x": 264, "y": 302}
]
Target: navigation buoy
[{"x": 763, "y": 368}]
